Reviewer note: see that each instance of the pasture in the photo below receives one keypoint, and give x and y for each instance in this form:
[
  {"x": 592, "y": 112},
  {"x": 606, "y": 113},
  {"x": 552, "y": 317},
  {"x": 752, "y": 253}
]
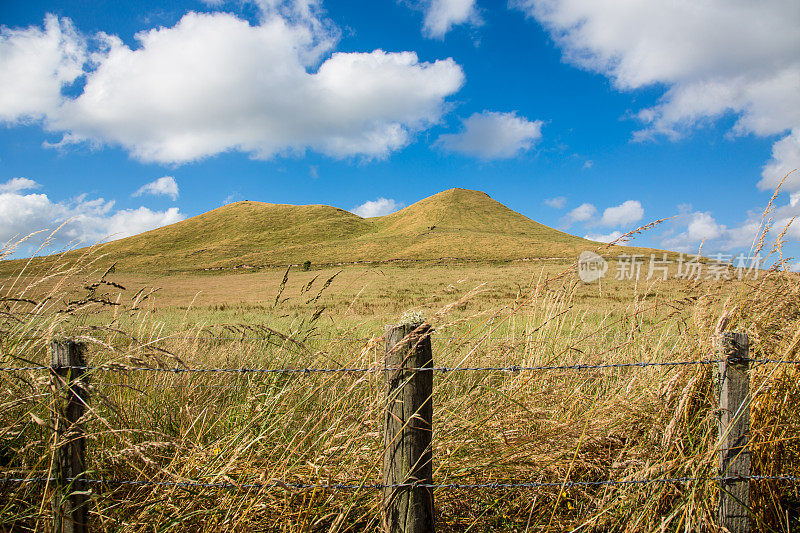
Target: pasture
[{"x": 245, "y": 442}]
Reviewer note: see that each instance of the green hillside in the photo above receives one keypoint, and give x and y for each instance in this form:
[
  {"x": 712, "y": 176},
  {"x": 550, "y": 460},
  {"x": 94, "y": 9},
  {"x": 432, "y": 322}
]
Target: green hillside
[{"x": 457, "y": 223}]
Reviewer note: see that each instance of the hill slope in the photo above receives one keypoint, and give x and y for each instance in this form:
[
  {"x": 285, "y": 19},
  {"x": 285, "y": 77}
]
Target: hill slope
[
  {"x": 457, "y": 223},
  {"x": 242, "y": 233}
]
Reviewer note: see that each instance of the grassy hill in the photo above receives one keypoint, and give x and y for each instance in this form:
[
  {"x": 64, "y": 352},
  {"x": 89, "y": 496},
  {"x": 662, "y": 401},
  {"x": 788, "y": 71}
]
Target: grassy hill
[{"x": 454, "y": 224}]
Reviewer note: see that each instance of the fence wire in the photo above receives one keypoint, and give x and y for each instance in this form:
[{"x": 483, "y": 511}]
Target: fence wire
[
  {"x": 440, "y": 369},
  {"x": 380, "y": 486}
]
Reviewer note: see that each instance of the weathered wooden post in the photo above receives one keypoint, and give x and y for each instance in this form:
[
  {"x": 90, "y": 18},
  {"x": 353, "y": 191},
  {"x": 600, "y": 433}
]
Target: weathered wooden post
[
  {"x": 407, "y": 430},
  {"x": 734, "y": 434},
  {"x": 70, "y": 501}
]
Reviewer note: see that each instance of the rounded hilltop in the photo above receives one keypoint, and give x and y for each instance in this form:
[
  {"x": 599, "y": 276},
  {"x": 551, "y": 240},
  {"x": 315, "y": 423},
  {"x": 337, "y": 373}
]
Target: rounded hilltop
[{"x": 464, "y": 210}]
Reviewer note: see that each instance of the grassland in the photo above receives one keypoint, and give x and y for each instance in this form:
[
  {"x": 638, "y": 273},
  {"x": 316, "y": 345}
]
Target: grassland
[
  {"x": 323, "y": 428},
  {"x": 384, "y": 292}
]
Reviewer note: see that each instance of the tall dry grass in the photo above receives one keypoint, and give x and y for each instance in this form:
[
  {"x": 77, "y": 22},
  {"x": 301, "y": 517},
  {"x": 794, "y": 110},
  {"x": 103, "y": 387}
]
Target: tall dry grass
[{"x": 324, "y": 428}]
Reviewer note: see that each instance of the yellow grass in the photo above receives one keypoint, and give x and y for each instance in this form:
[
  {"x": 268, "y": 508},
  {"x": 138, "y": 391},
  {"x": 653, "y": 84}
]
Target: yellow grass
[{"x": 490, "y": 426}]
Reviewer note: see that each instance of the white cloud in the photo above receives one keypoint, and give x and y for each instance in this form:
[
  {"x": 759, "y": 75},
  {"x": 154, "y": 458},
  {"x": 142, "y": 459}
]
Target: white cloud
[
  {"x": 696, "y": 227},
  {"x": 200, "y": 88},
  {"x": 624, "y": 214},
  {"x": 703, "y": 226},
  {"x": 35, "y": 63},
  {"x": 558, "y": 202},
  {"x": 582, "y": 213},
  {"x": 587, "y": 164},
  {"x": 608, "y": 237},
  {"x": 492, "y": 135},
  {"x": 18, "y": 184},
  {"x": 377, "y": 208},
  {"x": 785, "y": 158},
  {"x": 85, "y": 221},
  {"x": 164, "y": 186},
  {"x": 128, "y": 222},
  {"x": 714, "y": 57},
  {"x": 690, "y": 228},
  {"x": 786, "y": 215},
  {"x": 442, "y": 15}
]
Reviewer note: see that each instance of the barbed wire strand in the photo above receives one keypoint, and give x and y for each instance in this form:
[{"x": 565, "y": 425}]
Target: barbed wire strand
[
  {"x": 442, "y": 369},
  {"x": 378, "y": 486}
]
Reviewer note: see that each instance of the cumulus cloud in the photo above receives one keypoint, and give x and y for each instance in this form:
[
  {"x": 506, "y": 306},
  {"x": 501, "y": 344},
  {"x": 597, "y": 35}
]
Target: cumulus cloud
[
  {"x": 85, "y": 221},
  {"x": 700, "y": 227},
  {"x": 493, "y": 135},
  {"x": 715, "y": 58},
  {"x": 785, "y": 159},
  {"x": 164, "y": 186},
  {"x": 18, "y": 184},
  {"x": 607, "y": 237},
  {"x": 703, "y": 226},
  {"x": 691, "y": 228},
  {"x": 377, "y": 208},
  {"x": 784, "y": 217},
  {"x": 442, "y": 15},
  {"x": 127, "y": 222},
  {"x": 558, "y": 202},
  {"x": 622, "y": 215},
  {"x": 199, "y": 88},
  {"x": 35, "y": 63},
  {"x": 582, "y": 213}
]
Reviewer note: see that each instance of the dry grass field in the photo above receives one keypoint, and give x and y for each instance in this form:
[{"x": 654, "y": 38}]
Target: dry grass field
[
  {"x": 379, "y": 293},
  {"x": 266, "y": 432},
  {"x": 490, "y": 426}
]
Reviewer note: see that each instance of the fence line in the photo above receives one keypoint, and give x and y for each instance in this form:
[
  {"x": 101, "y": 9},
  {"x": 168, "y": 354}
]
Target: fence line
[
  {"x": 441, "y": 369},
  {"x": 406, "y": 471},
  {"x": 380, "y": 486}
]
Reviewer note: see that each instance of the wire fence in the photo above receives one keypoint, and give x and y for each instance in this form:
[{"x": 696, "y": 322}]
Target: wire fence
[
  {"x": 297, "y": 486},
  {"x": 440, "y": 369},
  {"x": 379, "y": 486}
]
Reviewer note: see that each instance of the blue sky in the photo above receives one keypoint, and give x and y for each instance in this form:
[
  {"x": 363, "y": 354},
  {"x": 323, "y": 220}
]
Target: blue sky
[{"x": 592, "y": 116}]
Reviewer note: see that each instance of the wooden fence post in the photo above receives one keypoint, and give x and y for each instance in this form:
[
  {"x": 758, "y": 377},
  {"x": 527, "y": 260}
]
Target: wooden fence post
[
  {"x": 407, "y": 431},
  {"x": 70, "y": 501},
  {"x": 734, "y": 434}
]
